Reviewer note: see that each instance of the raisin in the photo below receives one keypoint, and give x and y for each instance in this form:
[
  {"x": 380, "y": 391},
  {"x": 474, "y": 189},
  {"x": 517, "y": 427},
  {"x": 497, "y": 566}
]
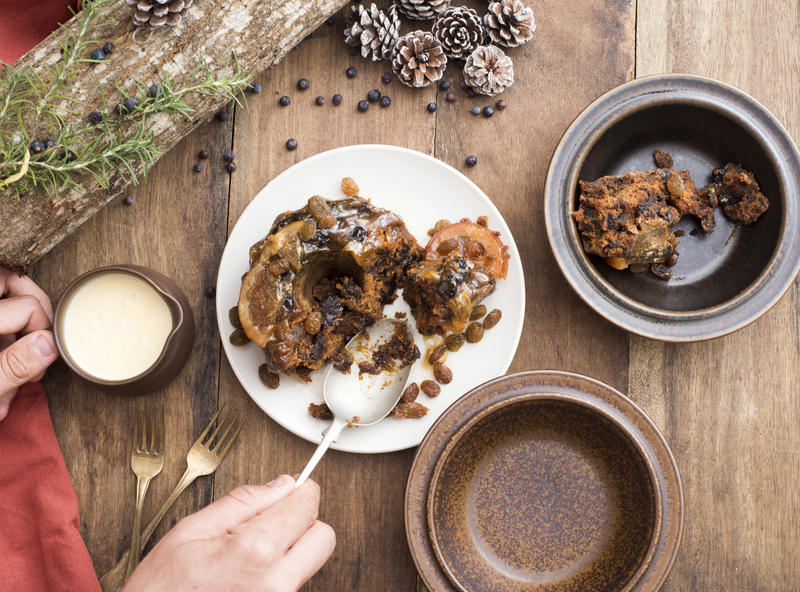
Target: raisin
[
  {"x": 492, "y": 319},
  {"x": 442, "y": 374},
  {"x": 327, "y": 222},
  {"x": 359, "y": 234},
  {"x": 437, "y": 355},
  {"x": 350, "y": 187},
  {"x": 239, "y": 337},
  {"x": 233, "y": 315},
  {"x": 661, "y": 271},
  {"x": 440, "y": 224},
  {"x": 410, "y": 393},
  {"x": 268, "y": 377},
  {"x": 454, "y": 341},
  {"x": 318, "y": 207},
  {"x": 477, "y": 313},
  {"x": 279, "y": 266},
  {"x": 447, "y": 287},
  {"x": 675, "y": 184},
  {"x": 313, "y": 323},
  {"x": 474, "y": 332},
  {"x": 430, "y": 388},
  {"x": 411, "y": 410},
  {"x": 663, "y": 159},
  {"x": 483, "y": 221},
  {"x": 307, "y": 230},
  {"x": 672, "y": 260}
]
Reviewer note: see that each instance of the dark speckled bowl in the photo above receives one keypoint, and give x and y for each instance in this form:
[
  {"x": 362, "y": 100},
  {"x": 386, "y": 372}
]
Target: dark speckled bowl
[
  {"x": 543, "y": 482},
  {"x": 722, "y": 281}
]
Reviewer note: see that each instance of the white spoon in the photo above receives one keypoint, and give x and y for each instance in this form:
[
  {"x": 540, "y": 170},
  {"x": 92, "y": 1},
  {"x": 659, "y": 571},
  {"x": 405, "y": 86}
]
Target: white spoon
[{"x": 360, "y": 399}]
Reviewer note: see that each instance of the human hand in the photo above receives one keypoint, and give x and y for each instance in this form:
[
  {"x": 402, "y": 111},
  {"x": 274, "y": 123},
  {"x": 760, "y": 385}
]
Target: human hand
[
  {"x": 263, "y": 538},
  {"x": 24, "y": 309}
]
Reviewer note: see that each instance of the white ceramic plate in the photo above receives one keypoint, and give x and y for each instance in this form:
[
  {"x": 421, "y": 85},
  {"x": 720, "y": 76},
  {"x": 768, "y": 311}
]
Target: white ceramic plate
[{"x": 421, "y": 190}]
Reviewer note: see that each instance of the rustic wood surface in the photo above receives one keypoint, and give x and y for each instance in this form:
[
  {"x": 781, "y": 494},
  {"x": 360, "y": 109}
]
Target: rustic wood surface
[
  {"x": 261, "y": 33},
  {"x": 729, "y": 408}
]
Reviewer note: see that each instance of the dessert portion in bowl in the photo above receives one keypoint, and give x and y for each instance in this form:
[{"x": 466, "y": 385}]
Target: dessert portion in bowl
[
  {"x": 628, "y": 219},
  {"x": 325, "y": 272}
]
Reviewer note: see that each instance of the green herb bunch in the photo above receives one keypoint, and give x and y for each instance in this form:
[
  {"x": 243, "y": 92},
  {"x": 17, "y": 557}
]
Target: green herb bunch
[{"x": 35, "y": 102}]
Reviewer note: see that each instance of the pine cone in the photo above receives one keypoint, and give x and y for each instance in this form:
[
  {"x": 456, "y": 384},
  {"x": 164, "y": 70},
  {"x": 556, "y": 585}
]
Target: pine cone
[
  {"x": 158, "y": 13},
  {"x": 489, "y": 70},
  {"x": 422, "y": 10},
  {"x": 509, "y": 23},
  {"x": 418, "y": 59},
  {"x": 460, "y": 31},
  {"x": 373, "y": 30}
]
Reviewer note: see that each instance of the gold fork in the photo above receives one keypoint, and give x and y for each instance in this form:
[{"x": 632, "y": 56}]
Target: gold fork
[
  {"x": 203, "y": 458},
  {"x": 147, "y": 460}
]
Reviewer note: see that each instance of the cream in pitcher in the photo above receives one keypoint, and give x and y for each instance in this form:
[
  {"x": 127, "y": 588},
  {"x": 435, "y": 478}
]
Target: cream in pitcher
[{"x": 115, "y": 325}]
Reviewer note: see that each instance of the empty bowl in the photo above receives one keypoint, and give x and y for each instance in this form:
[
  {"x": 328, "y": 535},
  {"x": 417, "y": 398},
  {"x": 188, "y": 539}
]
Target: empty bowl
[
  {"x": 722, "y": 281},
  {"x": 543, "y": 482}
]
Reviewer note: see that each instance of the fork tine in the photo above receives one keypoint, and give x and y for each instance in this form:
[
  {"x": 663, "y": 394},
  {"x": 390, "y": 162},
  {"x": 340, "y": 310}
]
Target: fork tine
[
  {"x": 228, "y": 425},
  {"x": 215, "y": 433},
  {"x": 231, "y": 439},
  {"x": 202, "y": 436}
]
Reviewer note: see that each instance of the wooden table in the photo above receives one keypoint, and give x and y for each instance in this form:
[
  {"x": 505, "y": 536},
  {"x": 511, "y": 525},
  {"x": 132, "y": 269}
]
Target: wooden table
[{"x": 729, "y": 408}]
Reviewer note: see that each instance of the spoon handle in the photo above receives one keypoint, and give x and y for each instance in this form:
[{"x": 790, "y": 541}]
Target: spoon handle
[{"x": 329, "y": 437}]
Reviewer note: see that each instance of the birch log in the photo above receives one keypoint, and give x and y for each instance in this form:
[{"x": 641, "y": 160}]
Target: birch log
[{"x": 260, "y": 32}]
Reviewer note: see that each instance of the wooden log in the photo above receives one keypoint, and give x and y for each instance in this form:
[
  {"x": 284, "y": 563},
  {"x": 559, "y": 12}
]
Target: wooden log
[{"x": 260, "y": 32}]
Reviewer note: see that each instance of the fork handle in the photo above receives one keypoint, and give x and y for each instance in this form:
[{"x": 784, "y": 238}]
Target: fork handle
[
  {"x": 112, "y": 581},
  {"x": 133, "y": 554}
]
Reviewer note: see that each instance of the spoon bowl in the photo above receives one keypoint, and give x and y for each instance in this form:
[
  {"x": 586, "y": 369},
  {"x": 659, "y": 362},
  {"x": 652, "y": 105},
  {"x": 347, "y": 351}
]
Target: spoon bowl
[{"x": 358, "y": 398}]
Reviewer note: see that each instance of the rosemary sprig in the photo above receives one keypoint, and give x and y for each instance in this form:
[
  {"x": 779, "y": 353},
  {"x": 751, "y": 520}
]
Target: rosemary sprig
[{"x": 113, "y": 149}]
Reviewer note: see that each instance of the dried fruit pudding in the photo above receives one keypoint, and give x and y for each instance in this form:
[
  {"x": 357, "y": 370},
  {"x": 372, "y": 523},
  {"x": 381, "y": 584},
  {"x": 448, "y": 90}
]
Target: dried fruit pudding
[
  {"x": 628, "y": 219},
  {"x": 324, "y": 273},
  {"x": 321, "y": 275}
]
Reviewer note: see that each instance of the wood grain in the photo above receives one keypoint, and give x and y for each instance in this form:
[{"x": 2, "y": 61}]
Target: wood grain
[
  {"x": 176, "y": 226},
  {"x": 260, "y": 32},
  {"x": 730, "y": 407}
]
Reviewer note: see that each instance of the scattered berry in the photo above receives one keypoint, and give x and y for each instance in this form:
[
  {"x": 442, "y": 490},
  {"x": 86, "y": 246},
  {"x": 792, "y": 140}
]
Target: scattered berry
[
  {"x": 387, "y": 78},
  {"x": 228, "y": 156},
  {"x": 48, "y": 143},
  {"x": 98, "y": 54},
  {"x": 363, "y": 106},
  {"x": 222, "y": 115},
  {"x": 319, "y": 101},
  {"x": 37, "y": 147},
  {"x": 108, "y": 47},
  {"x": 331, "y": 21},
  {"x": 154, "y": 91},
  {"x": 374, "y": 95},
  {"x": 500, "y": 105},
  {"x": 385, "y": 101},
  {"x": 68, "y": 155},
  {"x": 353, "y": 51},
  {"x": 488, "y": 111},
  {"x": 337, "y": 99},
  {"x": 254, "y": 88},
  {"x": 471, "y": 161},
  {"x": 444, "y": 85},
  {"x": 127, "y": 106},
  {"x": 230, "y": 167},
  {"x": 463, "y": 85},
  {"x": 198, "y": 167},
  {"x": 203, "y": 154},
  {"x": 451, "y": 97},
  {"x": 284, "y": 101},
  {"x": 471, "y": 94},
  {"x": 291, "y": 144},
  {"x": 128, "y": 201},
  {"x": 431, "y": 107},
  {"x": 476, "y": 110},
  {"x": 303, "y": 84},
  {"x": 351, "y": 72},
  {"x": 95, "y": 117}
]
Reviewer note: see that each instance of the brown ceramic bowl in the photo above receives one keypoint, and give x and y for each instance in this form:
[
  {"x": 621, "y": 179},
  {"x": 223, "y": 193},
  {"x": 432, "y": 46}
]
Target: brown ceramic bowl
[
  {"x": 722, "y": 281},
  {"x": 543, "y": 482},
  {"x": 177, "y": 347}
]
